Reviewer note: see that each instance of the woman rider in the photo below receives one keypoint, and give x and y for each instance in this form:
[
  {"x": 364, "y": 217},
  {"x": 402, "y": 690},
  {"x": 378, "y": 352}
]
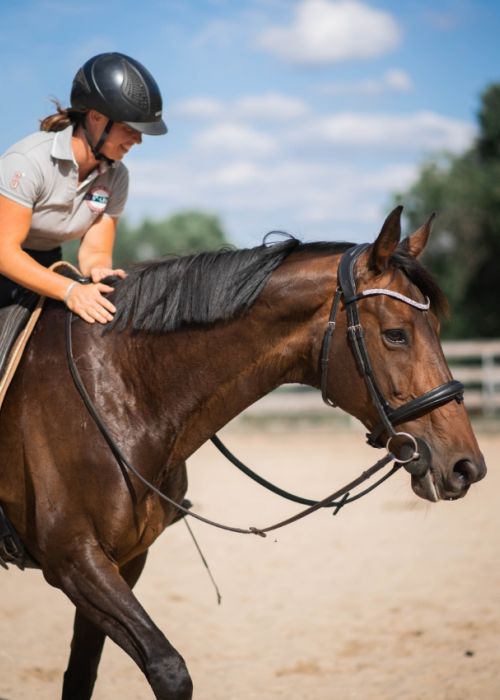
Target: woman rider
[{"x": 67, "y": 182}]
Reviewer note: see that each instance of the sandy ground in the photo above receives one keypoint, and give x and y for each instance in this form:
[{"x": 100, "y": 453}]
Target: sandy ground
[{"x": 394, "y": 598}]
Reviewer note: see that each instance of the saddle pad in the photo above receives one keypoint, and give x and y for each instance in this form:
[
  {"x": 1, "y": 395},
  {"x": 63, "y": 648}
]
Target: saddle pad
[{"x": 18, "y": 347}]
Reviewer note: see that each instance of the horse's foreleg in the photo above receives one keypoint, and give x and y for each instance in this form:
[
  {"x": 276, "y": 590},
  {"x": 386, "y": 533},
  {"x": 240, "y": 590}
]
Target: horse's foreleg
[
  {"x": 103, "y": 597},
  {"x": 87, "y": 644}
]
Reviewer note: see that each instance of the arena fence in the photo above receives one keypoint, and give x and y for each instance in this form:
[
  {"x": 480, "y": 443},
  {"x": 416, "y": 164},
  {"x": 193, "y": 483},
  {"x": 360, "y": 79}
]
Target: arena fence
[{"x": 476, "y": 363}]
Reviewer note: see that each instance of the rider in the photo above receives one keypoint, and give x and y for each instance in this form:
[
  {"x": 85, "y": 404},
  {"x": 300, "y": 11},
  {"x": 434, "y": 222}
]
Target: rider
[{"x": 67, "y": 182}]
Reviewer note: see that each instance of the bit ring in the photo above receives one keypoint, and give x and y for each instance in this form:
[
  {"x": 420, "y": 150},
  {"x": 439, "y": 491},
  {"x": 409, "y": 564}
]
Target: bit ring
[{"x": 415, "y": 454}]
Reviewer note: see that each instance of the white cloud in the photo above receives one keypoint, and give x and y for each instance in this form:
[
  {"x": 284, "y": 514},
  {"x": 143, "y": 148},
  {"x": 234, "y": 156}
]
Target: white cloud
[
  {"x": 321, "y": 177},
  {"x": 219, "y": 32},
  {"x": 234, "y": 139},
  {"x": 419, "y": 131},
  {"x": 397, "y": 80},
  {"x": 445, "y": 20},
  {"x": 326, "y": 31},
  {"x": 270, "y": 106},
  {"x": 198, "y": 108},
  {"x": 313, "y": 200},
  {"x": 392, "y": 81}
]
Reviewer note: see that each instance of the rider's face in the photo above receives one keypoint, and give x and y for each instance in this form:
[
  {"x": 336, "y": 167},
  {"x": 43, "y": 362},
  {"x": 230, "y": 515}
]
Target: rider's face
[{"x": 120, "y": 139}]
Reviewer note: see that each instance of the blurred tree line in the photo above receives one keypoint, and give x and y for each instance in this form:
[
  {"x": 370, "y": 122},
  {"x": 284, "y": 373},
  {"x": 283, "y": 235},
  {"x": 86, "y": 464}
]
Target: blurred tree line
[
  {"x": 185, "y": 232},
  {"x": 464, "y": 249}
]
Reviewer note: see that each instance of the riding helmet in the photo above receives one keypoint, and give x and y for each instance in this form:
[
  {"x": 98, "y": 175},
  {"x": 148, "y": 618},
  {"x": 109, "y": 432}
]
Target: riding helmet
[{"x": 122, "y": 89}]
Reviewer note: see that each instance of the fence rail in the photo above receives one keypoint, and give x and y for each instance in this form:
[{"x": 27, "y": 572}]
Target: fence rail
[{"x": 476, "y": 363}]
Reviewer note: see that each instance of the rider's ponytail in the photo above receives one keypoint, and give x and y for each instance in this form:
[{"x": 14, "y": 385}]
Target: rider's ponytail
[{"x": 61, "y": 119}]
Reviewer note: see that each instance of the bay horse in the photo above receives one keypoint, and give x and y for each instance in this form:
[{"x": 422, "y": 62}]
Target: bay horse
[{"x": 195, "y": 340}]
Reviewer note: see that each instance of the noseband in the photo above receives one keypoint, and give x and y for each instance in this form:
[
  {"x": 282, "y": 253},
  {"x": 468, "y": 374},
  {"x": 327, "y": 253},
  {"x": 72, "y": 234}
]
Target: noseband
[{"x": 389, "y": 416}]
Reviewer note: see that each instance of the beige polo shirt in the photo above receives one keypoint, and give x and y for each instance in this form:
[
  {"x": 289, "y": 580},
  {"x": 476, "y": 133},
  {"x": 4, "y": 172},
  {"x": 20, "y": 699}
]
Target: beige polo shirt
[{"x": 40, "y": 172}]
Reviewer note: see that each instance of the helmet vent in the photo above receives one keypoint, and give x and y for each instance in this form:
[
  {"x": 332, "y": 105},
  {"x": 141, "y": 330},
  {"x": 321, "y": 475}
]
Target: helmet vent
[{"x": 134, "y": 88}]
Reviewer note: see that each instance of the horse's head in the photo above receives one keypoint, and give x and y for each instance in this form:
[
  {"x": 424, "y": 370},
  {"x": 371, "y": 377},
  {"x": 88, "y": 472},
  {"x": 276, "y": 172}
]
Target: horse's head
[{"x": 392, "y": 374}]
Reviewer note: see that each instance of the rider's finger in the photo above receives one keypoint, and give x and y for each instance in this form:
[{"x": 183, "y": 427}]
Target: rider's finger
[
  {"x": 106, "y": 304},
  {"x": 86, "y": 316},
  {"x": 101, "y": 315},
  {"x": 104, "y": 287}
]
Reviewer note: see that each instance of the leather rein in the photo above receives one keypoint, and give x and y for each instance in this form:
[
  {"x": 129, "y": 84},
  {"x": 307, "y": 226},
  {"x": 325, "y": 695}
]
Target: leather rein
[{"x": 388, "y": 416}]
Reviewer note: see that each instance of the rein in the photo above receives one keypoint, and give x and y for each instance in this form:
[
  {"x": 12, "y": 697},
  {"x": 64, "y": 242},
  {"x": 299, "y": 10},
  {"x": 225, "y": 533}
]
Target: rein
[
  {"x": 337, "y": 505},
  {"x": 329, "y": 502}
]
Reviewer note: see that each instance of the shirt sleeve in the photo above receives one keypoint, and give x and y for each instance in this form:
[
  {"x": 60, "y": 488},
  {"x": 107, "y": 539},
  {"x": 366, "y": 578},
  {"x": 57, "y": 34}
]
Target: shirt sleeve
[
  {"x": 119, "y": 193},
  {"x": 20, "y": 179}
]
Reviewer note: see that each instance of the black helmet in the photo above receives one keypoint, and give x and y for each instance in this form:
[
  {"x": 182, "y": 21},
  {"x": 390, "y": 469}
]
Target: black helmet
[{"x": 122, "y": 89}]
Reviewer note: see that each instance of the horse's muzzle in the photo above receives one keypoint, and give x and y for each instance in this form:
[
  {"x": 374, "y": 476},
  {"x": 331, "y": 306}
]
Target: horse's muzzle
[{"x": 433, "y": 484}]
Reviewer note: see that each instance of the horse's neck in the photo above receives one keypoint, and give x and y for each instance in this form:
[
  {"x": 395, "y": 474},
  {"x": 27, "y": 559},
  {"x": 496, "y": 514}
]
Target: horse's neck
[{"x": 277, "y": 342}]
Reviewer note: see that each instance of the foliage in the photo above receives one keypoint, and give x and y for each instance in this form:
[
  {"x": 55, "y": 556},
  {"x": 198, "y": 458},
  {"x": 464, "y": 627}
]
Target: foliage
[
  {"x": 464, "y": 251},
  {"x": 185, "y": 232}
]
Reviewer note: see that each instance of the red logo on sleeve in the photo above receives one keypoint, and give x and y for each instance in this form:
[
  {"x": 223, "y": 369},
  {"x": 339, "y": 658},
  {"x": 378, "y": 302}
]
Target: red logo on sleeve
[{"x": 16, "y": 179}]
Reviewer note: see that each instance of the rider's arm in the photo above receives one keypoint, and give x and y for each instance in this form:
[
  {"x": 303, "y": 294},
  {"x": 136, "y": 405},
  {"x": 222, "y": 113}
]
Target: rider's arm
[
  {"x": 95, "y": 256},
  {"x": 85, "y": 300},
  {"x": 15, "y": 222}
]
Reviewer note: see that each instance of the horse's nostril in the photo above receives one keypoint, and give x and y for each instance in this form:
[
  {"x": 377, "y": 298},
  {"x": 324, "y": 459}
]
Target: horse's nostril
[{"x": 465, "y": 472}]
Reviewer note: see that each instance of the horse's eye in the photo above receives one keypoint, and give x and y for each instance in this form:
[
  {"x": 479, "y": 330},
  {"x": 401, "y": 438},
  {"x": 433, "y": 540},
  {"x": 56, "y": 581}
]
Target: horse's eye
[{"x": 396, "y": 336}]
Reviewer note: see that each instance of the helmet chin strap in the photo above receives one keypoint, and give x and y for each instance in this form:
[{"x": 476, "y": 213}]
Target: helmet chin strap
[{"x": 100, "y": 143}]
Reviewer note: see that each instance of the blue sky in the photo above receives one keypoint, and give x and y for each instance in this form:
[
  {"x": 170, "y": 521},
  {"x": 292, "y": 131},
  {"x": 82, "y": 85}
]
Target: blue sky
[{"x": 302, "y": 115}]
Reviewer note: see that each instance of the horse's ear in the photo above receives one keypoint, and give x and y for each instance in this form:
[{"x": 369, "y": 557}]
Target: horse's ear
[
  {"x": 416, "y": 242},
  {"x": 387, "y": 241}
]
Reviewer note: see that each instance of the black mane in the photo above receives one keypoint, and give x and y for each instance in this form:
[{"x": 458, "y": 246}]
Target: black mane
[{"x": 202, "y": 288}]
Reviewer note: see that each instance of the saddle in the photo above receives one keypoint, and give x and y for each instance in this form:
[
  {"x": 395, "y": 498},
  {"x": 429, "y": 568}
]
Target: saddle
[
  {"x": 13, "y": 320},
  {"x": 17, "y": 322}
]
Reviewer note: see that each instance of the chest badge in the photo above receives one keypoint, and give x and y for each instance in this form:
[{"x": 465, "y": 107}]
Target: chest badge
[{"x": 97, "y": 199}]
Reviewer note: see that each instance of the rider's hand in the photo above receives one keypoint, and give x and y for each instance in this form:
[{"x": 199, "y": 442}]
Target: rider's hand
[
  {"x": 88, "y": 302},
  {"x": 99, "y": 273}
]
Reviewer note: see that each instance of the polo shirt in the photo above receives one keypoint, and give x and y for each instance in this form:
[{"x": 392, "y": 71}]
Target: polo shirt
[{"x": 40, "y": 172}]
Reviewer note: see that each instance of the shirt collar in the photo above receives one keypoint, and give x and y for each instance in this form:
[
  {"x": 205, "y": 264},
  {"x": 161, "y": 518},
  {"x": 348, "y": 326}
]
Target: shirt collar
[{"x": 61, "y": 148}]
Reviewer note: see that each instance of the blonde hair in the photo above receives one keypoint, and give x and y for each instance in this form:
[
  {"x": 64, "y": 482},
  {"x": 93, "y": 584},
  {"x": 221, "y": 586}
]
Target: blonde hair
[{"x": 61, "y": 119}]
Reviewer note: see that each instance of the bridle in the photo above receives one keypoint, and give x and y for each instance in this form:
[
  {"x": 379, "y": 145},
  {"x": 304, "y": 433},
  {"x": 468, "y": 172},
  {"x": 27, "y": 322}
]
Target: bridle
[{"x": 389, "y": 416}]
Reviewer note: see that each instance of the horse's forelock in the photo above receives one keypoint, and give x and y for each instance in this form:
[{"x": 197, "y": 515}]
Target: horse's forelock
[{"x": 422, "y": 279}]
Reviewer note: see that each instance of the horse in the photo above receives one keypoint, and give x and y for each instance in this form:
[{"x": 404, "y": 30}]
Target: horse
[{"x": 195, "y": 340}]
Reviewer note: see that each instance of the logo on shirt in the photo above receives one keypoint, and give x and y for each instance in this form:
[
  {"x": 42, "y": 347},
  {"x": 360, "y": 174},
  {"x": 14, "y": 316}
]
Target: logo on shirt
[
  {"x": 97, "y": 198},
  {"x": 16, "y": 179}
]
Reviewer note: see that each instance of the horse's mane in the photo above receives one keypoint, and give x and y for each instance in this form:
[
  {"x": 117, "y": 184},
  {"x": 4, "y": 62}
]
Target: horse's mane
[{"x": 202, "y": 288}]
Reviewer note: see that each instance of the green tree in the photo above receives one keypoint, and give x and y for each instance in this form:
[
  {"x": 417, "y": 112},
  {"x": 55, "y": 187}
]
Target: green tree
[
  {"x": 185, "y": 232},
  {"x": 464, "y": 251}
]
